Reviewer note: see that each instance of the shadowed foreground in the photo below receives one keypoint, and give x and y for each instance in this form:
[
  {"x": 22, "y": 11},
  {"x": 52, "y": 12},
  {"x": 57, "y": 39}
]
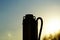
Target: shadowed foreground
[{"x": 52, "y": 37}]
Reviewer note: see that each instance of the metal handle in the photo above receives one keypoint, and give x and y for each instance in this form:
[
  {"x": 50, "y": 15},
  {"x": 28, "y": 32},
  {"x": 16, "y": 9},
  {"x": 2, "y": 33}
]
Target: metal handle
[{"x": 40, "y": 27}]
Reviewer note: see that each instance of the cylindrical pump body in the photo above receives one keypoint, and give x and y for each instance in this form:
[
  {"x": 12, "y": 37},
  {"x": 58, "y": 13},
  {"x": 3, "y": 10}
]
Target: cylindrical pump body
[{"x": 30, "y": 31}]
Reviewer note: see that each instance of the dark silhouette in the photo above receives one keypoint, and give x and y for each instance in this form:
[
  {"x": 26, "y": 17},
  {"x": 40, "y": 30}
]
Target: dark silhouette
[
  {"x": 52, "y": 37},
  {"x": 30, "y": 27}
]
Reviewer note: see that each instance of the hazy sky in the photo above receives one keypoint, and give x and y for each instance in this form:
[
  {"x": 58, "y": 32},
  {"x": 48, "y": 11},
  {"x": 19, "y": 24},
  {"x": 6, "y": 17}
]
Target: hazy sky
[{"x": 12, "y": 12}]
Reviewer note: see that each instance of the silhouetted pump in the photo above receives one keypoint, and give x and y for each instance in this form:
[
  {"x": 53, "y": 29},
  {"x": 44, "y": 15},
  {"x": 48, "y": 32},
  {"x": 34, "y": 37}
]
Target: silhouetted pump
[{"x": 30, "y": 27}]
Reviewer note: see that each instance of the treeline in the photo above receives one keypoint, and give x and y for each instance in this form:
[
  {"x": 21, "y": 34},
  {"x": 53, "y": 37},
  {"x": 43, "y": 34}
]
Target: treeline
[{"x": 55, "y": 36}]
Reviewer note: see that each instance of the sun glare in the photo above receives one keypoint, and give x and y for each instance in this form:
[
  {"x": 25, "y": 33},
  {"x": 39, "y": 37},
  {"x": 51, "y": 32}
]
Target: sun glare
[
  {"x": 9, "y": 35},
  {"x": 52, "y": 26}
]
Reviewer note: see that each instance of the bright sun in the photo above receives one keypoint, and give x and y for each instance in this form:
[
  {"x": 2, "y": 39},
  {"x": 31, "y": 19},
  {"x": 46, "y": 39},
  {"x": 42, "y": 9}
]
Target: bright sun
[{"x": 52, "y": 26}]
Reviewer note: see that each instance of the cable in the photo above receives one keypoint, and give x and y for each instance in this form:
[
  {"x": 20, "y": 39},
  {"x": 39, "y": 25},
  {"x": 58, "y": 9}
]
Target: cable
[{"x": 40, "y": 27}]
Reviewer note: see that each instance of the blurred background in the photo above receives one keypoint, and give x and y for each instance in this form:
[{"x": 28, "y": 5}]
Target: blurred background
[{"x": 12, "y": 12}]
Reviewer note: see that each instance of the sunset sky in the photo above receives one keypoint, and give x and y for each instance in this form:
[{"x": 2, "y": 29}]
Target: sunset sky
[{"x": 12, "y": 12}]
